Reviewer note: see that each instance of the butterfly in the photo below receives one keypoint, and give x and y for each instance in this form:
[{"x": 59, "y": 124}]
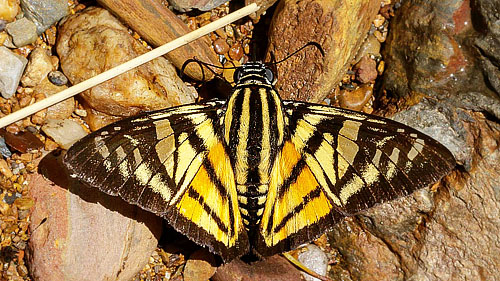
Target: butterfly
[{"x": 255, "y": 173}]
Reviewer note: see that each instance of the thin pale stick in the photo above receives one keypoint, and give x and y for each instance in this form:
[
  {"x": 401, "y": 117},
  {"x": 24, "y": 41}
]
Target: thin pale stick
[{"x": 160, "y": 51}]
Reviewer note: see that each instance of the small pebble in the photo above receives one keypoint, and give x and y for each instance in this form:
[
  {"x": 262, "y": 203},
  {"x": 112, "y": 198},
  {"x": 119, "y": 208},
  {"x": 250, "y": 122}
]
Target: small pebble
[
  {"x": 4, "y": 168},
  {"x": 366, "y": 70},
  {"x": 378, "y": 21},
  {"x": 236, "y": 52},
  {"x": 63, "y": 132},
  {"x": 24, "y": 203},
  {"x": 10, "y": 198},
  {"x": 229, "y": 30},
  {"x": 220, "y": 46},
  {"x": 22, "y": 270},
  {"x": 3, "y": 23},
  {"x": 23, "y": 141},
  {"x": 315, "y": 259},
  {"x": 17, "y": 167},
  {"x": 31, "y": 129},
  {"x": 57, "y": 78},
  {"x": 355, "y": 100},
  {"x": 4, "y": 150},
  {"x": 81, "y": 112}
]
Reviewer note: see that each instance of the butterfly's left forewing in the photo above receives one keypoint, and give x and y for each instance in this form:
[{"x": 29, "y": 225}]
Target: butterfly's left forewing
[
  {"x": 336, "y": 163},
  {"x": 173, "y": 163}
]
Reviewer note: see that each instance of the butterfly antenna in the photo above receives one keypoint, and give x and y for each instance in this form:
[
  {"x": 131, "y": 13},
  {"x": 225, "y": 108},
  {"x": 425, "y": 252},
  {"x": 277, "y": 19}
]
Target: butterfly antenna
[
  {"x": 207, "y": 65},
  {"x": 315, "y": 44}
]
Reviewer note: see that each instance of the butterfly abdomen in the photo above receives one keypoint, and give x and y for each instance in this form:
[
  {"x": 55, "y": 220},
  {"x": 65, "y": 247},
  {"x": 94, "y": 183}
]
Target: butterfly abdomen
[{"x": 253, "y": 131}]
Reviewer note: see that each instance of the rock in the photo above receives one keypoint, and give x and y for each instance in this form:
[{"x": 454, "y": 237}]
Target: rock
[
  {"x": 60, "y": 110},
  {"x": 428, "y": 50},
  {"x": 357, "y": 99},
  {"x": 199, "y": 266},
  {"x": 340, "y": 27},
  {"x": 314, "y": 259},
  {"x": 370, "y": 47},
  {"x": 57, "y": 78},
  {"x": 263, "y": 6},
  {"x": 23, "y": 141},
  {"x": 364, "y": 255},
  {"x": 220, "y": 46},
  {"x": 39, "y": 65},
  {"x": 44, "y": 13},
  {"x": 4, "y": 150},
  {"x": 23, "y": 32},
  {"x": 82, "y": 234},
  {"x": 236, "y": 52},
  {"x": 465, "y": 224},
  {"x": 4, "y": 169},
  {"x": 93, "y": 41},
  {"x": 366, "y": 70},
  {"x": 488, "y": 41},
  {"x": 202, "y": 5},
  {"x": 8, "y": 10},
  {"x": 274, "y": 268},
  {"x": 64, "y": 132},
  {"x": 433, "y": 119},
  {"x": 11, "y": 68},
  {"x": 163, "y": 26}
]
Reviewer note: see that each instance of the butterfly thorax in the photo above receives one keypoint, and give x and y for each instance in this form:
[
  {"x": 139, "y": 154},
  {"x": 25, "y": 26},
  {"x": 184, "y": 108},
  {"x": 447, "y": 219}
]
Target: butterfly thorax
[{"x": 253, "y": 132}]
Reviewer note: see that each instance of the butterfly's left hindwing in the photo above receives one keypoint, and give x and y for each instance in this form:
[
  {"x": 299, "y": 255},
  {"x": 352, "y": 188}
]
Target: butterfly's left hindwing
[
  {"x": 336, "y": 163},
  {"x": 173, "y": 163}
]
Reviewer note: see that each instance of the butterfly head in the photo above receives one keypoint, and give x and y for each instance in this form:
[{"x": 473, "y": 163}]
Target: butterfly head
[{"x": 254, "y": 73}]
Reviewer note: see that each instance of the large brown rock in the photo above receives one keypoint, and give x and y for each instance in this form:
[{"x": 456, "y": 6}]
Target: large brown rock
[
  {"x": 450, "y": 231},
  {"x": 338, "y": 26},
  {"x": 94, "y": 41},
  {"x": 78, "y": 233}
]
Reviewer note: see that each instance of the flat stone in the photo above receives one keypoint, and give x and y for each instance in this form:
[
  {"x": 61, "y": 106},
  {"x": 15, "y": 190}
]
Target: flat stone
[
  {"x": 11, "y": 68},
  {"x": 23, "y": 32},
  {"x": 44, "y": 13},
  {"x": 80, "y": 233},
  {"x": 39, "y": 65},
  {"x": 64, "y": 132}
]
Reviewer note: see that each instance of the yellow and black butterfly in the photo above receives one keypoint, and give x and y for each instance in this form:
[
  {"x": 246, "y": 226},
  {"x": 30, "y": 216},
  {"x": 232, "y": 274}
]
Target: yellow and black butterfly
[{"x": 256, "y": 173}]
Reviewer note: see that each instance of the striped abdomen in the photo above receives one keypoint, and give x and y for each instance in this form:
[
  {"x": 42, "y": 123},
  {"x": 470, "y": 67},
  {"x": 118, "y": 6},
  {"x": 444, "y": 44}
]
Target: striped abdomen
[{"x": 254, "y": 129}]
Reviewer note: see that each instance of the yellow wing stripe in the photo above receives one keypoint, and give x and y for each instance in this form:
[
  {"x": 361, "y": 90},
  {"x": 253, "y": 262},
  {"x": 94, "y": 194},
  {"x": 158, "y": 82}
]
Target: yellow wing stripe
[
  {"x": 213, "y": 208},
  {"x": 301, "y": 204}
]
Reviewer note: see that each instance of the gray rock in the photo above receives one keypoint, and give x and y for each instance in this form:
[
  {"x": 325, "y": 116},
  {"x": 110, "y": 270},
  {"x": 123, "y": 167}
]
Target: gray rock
[
  {"x": 202, "y": 5},
  {"x": 434, "y": 120},
  {"x": 44, "y": 13},
  {"x": 4, "y": 150},
  {"x": 314, "y": 259},
  {"x": 11, "y": 68},
  {"x": 23, "y": 32},
  {"x": 3, "y": 23},
  {"x": 57, "y": 78}
]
